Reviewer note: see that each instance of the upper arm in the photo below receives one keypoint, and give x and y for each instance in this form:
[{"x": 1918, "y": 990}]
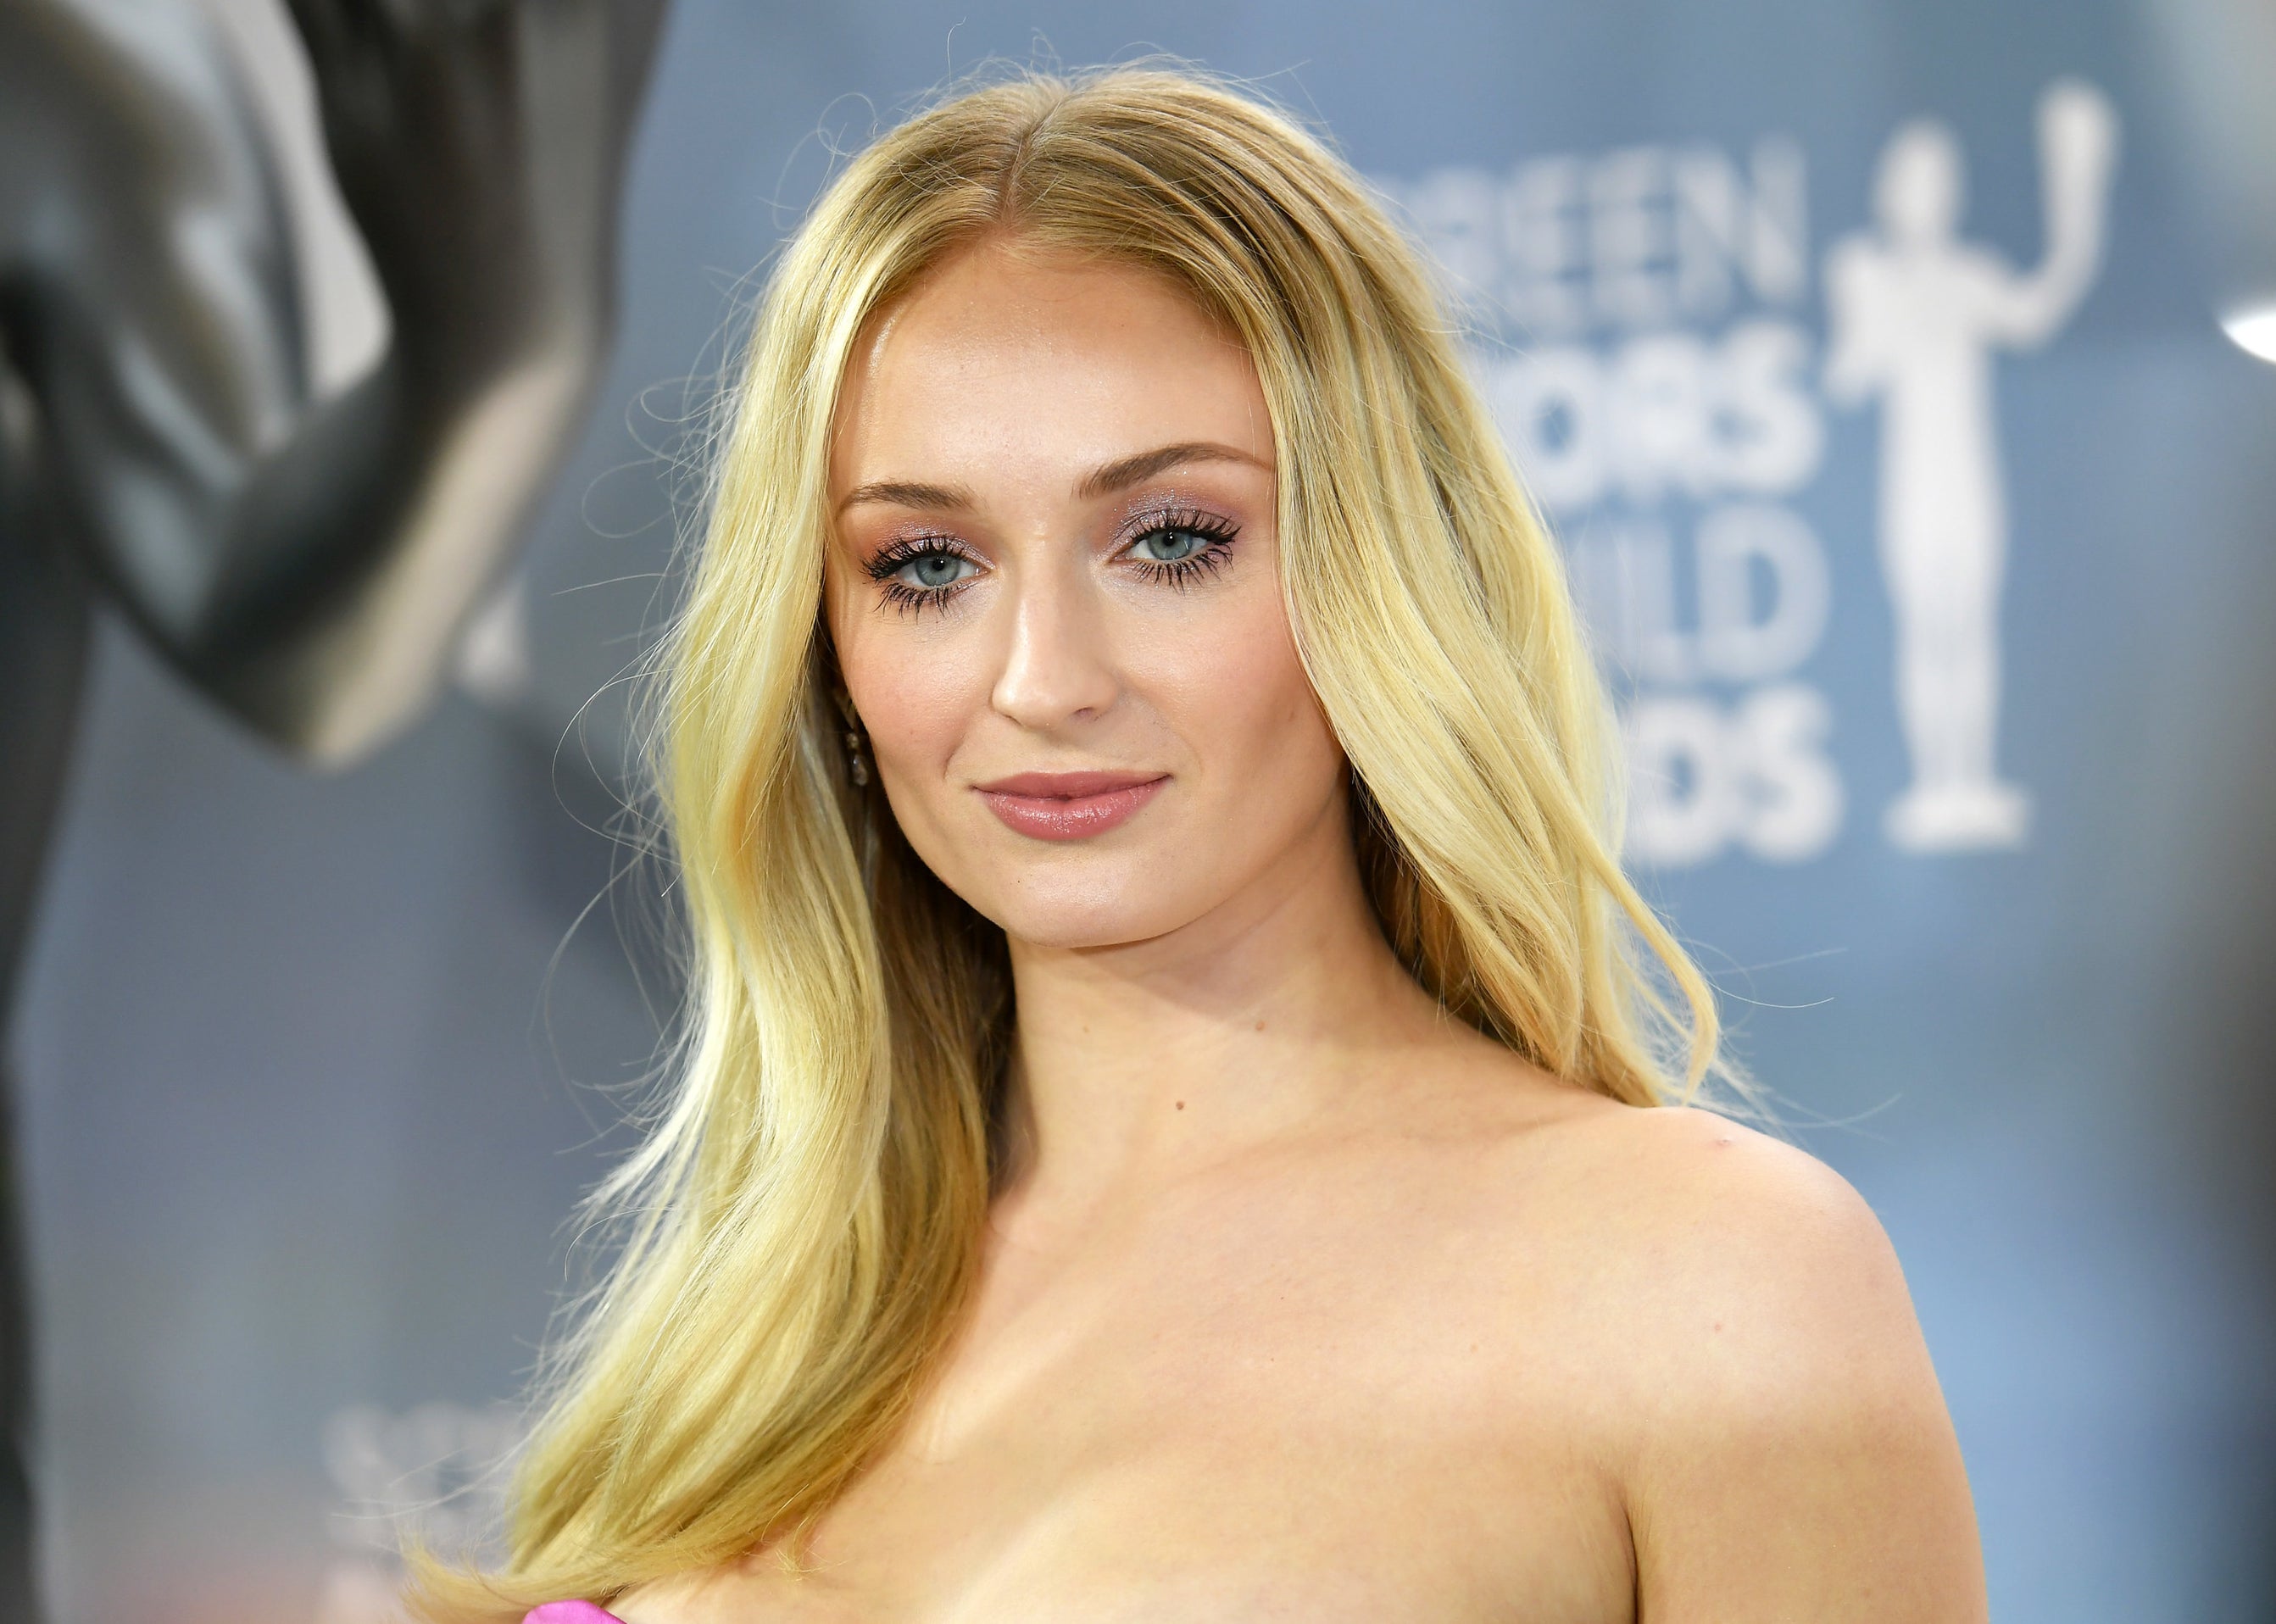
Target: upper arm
[{"x": 1791, "y": 1458}]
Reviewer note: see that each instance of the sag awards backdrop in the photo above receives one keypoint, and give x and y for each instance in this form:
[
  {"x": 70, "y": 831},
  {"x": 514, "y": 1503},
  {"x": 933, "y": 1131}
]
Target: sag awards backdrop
[{"x": 1864, "y": 354}]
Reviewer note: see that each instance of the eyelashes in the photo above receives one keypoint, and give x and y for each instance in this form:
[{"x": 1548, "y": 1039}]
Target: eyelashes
[
  {"x": 920, "y": 569},
  {"x": 1196, "y": 544},
  {"x": 1176, "y": 549}
]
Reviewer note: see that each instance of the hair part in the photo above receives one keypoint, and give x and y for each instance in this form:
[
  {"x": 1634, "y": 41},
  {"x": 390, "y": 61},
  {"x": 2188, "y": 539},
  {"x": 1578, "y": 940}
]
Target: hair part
[{"x": 800, "y": 1229}]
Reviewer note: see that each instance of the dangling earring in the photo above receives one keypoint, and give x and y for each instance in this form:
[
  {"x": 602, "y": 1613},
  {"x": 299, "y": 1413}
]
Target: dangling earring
[{"x": 856, "y": 759}]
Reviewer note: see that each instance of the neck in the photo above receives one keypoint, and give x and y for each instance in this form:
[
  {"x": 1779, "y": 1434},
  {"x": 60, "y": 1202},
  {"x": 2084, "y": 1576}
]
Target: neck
[{"x": 1138, "y": 1062}]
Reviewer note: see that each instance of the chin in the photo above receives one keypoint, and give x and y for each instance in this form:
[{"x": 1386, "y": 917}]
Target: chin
[{"x": 1072, "y": 912}]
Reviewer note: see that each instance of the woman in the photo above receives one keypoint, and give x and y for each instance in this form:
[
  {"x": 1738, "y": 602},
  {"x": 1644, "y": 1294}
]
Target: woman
[{"x": 1171, "y": 1120}]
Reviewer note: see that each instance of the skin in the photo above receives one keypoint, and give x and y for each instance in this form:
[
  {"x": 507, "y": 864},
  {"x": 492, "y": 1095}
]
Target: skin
[{"x": 1302, "y": 1301}]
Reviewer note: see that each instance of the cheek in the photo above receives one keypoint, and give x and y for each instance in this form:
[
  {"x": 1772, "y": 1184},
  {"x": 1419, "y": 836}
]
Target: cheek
[
  {"x": 916, "y": 709},
  {"x": 915, "y": 689},
  {"x": 1238, "y": 694}
]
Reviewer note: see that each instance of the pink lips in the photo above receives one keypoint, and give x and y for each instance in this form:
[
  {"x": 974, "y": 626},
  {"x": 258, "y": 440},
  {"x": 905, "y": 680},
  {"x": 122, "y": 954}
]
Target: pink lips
[{"x": 1069, "y": 806}]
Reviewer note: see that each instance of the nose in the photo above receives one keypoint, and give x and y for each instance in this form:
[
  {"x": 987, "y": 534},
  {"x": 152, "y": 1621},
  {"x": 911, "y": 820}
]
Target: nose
[{"x": 1058, "y": 666}]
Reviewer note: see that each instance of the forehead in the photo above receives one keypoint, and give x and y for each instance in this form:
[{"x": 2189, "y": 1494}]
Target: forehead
[{"x": 1010, "y": 362}]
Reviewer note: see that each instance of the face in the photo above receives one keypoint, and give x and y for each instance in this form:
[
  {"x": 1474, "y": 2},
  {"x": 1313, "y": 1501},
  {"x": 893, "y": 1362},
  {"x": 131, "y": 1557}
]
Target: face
[
  {"x": 1054, "y": 595},
  {"x": 1920, "y": 184}
]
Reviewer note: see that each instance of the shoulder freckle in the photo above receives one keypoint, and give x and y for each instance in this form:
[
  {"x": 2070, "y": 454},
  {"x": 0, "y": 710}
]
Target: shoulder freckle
[
  {"x": 1696, "y": 1202},
  {"x": 1758, "y": 1258},
  {"x": 1753, "y": 1174}
]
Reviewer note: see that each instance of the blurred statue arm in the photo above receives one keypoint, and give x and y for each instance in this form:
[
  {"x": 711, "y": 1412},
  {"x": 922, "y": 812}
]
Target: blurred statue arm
[
  {"x": 311, "y": 566},
  {"x": 1857, "y": 320},
  {"x": 481, "y": 148},
  {"x": 356, "y": 553},
  {"x": 2078, "y": 146}
]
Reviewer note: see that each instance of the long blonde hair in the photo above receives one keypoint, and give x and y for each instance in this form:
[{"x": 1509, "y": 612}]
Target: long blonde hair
[{"x": 801, "y": 1226}]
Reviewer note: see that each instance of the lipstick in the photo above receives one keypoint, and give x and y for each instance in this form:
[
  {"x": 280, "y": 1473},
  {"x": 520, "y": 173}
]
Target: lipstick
[{"x": 1068, "y": 806}]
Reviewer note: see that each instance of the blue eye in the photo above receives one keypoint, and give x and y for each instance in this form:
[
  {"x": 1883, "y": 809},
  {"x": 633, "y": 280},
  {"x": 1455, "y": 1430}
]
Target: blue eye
[
  {"x": 921, "y": 570},
  {"x": 933, "y": 571},
  {"x": 1178, "y": 549},
  {"x": 1170, "y": 545}
]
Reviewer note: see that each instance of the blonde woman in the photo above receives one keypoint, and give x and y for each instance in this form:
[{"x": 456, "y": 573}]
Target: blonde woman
[{"x": 1174, "y": 1120}]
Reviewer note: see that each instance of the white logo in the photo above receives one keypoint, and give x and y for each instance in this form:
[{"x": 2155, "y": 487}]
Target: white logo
[
  {"x": 1666, "y": 404},
  {"x": 1915, "y": 314}
]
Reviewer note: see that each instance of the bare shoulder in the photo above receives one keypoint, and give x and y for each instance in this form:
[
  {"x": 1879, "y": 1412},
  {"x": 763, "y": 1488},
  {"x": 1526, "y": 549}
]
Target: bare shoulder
[
  {"x": 1686, "y": 1152},
  {"x": 1770, "y": 1408},
  {"x": 1695, "y": 1242},
  {"x": 1703, "y": 1181},
  {"x": 1740, "y": 1258}
]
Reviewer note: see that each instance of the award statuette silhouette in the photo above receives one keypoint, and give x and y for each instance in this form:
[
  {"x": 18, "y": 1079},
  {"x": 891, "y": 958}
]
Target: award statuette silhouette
[
  {"x": 307, "y": 565},
  {"x": 1915, "y": 316}
]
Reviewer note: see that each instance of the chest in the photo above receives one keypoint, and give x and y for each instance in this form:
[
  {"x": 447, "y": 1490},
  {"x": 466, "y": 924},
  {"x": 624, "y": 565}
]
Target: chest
[{"x": 1263, "y": 1432}]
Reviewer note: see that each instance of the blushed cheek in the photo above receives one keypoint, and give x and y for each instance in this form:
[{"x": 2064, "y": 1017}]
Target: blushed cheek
[
  {"x": 917, "y": 712},
  {"x": 1292, "y": 734},
  {"x": 918, "y": 698},
  {"x": 1242, "y": 702}
]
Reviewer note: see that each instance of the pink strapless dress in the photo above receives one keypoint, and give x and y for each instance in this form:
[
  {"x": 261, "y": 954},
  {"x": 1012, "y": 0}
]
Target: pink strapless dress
[{"x": 569, "y": 1612}]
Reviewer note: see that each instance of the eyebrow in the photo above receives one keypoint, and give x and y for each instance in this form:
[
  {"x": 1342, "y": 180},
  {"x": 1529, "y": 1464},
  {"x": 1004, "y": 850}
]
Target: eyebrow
[
  {"x": 910, "y": 493},
  {"x": 1101, "y": 482},
  {"x": 1136, "y": 470}
]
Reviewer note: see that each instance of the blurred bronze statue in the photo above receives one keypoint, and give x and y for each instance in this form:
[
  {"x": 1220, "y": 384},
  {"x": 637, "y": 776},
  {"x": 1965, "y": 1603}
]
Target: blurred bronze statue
[{"x": 307, "y": 564}]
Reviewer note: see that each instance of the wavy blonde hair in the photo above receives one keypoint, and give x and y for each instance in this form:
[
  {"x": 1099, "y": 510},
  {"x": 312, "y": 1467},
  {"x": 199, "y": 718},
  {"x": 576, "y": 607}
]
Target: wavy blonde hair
[{"x": 801, "y": 1225}]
